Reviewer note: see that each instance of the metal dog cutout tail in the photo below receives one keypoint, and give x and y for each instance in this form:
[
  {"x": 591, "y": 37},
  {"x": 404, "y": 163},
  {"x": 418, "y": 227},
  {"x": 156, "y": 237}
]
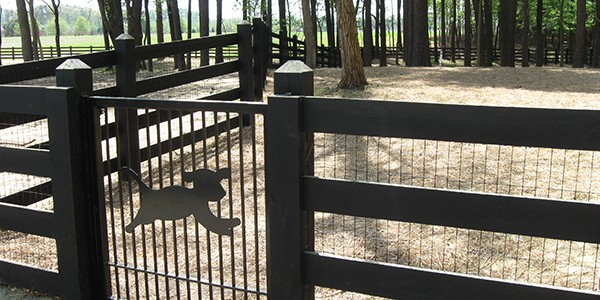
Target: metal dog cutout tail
[{"x": 178, "y": 202}]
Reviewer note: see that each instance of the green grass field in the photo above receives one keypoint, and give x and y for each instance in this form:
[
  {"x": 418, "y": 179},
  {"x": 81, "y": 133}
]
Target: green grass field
[
  {"x": 97, "y": 40},
  {"x": 74, "y": 40},
  {"x": 68, "y": 40}
]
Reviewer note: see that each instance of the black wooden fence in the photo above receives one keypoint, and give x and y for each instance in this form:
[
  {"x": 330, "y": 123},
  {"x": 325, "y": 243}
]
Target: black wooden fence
[
  {"x": 293, "y": 196},
  {"x": 161, "y": 139},
  {"x": 75, "y": 189}
]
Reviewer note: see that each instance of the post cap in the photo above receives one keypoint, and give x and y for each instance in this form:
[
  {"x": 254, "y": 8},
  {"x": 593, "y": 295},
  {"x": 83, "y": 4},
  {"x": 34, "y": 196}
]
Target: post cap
[
  {"x": 124, "y": 36},
  {"x": 294, "y": 66},
  {"x": 294, "y": 78},
  {"x": 73, "y": 64}
]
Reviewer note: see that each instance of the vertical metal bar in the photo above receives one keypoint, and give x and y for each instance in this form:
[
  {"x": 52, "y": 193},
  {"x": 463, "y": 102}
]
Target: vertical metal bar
[
  {"x": 122, "y": 214},
  {"x": 208, "y": 243},
  {"x": 149, "y": 165},
  {"x": 196, "y": 227},
  {"x": 243, "y": 209},
  {"x": 255, "y": 202},
  {"x": 230, "y": 192},
  {"x": 172, "y": 182},
  {"x": 163, "y": 223},
  {"x": 151, "y": 184},
  {"x": 112, "y": 207},
  {"x": 185, "y": 231},
  {"x": 133, "y": 243},
  {"x": 219, "y": 237}
]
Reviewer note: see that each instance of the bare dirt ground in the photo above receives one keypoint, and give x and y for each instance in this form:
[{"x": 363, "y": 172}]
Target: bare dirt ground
[{"x": 536, "y": 87}]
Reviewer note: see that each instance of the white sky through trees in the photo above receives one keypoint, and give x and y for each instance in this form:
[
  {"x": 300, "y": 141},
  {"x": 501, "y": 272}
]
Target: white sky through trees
[{"x": 230, "y": 7}]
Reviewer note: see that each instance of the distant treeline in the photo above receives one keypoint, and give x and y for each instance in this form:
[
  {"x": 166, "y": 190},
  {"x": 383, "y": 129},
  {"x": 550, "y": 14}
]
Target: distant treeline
[{"x": 75, "y": 20}]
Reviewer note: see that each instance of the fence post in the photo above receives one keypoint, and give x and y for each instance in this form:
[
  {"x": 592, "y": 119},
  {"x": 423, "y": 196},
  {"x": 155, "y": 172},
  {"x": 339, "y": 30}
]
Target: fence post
[
  {"x": 259, "y": 58},
  {"x": 127, "y": 136},
  {"x": 77, "y": 188},
  {"x": 291, "y": 229},
  {"x": 246, "y": 72}
]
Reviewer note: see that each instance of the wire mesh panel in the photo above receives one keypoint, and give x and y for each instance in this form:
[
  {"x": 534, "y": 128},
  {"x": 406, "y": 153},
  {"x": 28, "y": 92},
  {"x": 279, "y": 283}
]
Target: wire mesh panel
[
  {"x": 508, "y": 170},
  {"x": 185, "y": 257},
  {"x": 22, "y": 132}
]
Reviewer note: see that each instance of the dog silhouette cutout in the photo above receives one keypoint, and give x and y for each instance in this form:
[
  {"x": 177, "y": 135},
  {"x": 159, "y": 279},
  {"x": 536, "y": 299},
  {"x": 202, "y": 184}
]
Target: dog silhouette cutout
[{"x": 178, "y": 202}]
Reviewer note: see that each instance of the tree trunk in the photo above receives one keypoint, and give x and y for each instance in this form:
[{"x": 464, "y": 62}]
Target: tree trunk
[
  {"x": 489, "y": 35},
  {"x": 383, "y": 35},
  {"x": 416, "y": 35},
  {"x": 329, "y": 22},
  {"x": 148, "y": 34},
  {"x": 525, "y": 35},
  {"x": 376, "y": 50},
  {"x": 54, "y": 8},
  {"x": 561, "y": 32},
  {"x": 24, "y": 31},
  {"x": 105, "y": 35},
  {"x": 219, "y": 30},
  {"x": 309, "y": 35},
  {"x": 35, "y": 33},
  {"x": 507, "y": 33},
  {"x": 468, "y": 33},
  {"x": 0, "y": 33},
  {"x": 539, "y": 35},
  {"x": 282, "y": 18},
  {"x": 477, "y": 5},
  {"x": 443, "y": 24},
  {"x": 313, "y": 13},
  {"x": 580, "y": 56},
  {"x": 203, "y": 4},
  {"x": 264, "y": 13},
  {"x": 453, "y": 32},
  {"x": 134, "y": 20},
  {"x": 503, "y": 32},
  {"x": 353, "y": 75},
  {"x": 160, "y": 33},
  {"x": 189, "y": 32},
  {"x": 368, "y": 34},
  {"x": 408, "y": 31},
  {"x": 596, "y": 48},
  {"x": 435, "y": 30},
  {"x": 399, "y": 25},
  {"x": 113, "y": 17},
  {"x": 175, "y": 24}
]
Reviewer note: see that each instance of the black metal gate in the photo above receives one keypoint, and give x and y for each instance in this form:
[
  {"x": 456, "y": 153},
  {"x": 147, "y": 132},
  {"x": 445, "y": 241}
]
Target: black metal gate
[{"x": 172, "y": 255}]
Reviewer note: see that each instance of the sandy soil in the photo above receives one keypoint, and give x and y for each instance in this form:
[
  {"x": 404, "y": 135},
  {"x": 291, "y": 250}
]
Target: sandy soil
[{"x": 537, "y": 87}]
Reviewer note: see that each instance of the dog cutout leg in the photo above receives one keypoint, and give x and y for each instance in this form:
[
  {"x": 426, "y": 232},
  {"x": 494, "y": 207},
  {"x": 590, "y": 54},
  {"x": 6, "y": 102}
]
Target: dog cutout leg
[
  {"x": 140, "y": 219},
  {"x": 217, "y": 225}
]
